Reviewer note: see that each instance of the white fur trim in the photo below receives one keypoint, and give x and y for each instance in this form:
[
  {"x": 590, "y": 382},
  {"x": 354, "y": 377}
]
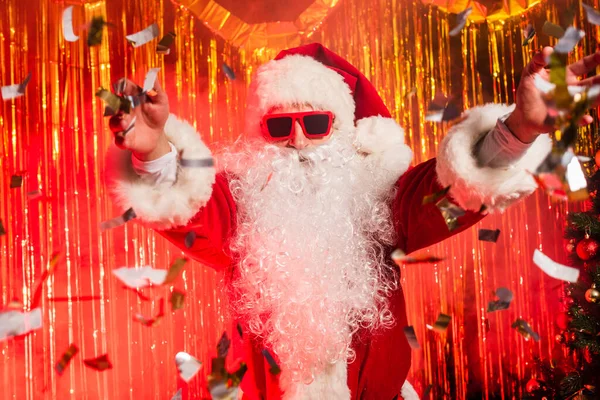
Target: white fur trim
[
  {"x": 162, "y": 206},
  {"x": 382, "y": 139},
  {"x": 332, "y": 384},
  {"x": 408, "y": 392},
  {"x": 298, "y": 79},
  {"x": 473, "y": 185}
]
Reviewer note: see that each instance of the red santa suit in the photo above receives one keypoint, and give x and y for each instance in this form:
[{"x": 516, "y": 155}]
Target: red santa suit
[{"x": 200, "y": 200}]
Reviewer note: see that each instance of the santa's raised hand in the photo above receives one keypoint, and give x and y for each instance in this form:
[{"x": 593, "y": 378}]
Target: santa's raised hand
[
  {"x": 528, "y": 120},
  {"x": 142, "y": 131}
]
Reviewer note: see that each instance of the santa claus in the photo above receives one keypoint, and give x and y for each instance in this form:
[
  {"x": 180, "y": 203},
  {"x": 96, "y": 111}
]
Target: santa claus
[{"x": 303, "y": 213}]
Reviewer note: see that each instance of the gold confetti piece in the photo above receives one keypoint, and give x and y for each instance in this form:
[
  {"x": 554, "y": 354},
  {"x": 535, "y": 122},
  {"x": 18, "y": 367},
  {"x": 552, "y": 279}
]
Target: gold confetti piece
[
  {"x": 461, "y": 20},
  {"x": 450, "y": 212},
  {"x": 569, "y": 40},
  {"x": 16, "y": 323},
  {"x": 273, "y": 367},
  {"x": 434, "y": 197},
  {"x": 523, "y": 328},
  {"x": 554, "y": 269},
  {"x": 592, "y": 15},
  {"x": 16, "y": 181},
  {"x": 2, "y": 230},
  {"x": 13, "y": 91},
  {"x": 112, "y": 100},
  {"x": 163, "y": 46},
  {"x": 152, "y": 321},
  {"x": 174, "y": 270},
  {"x": 65, "y": 359},
  {"x": 190, "y": 238},
  {"x": 223, "y": 346},
  {"x": 528, "y": 34},
  {"x": 118, "y": 221},
  {"x": 411, "y": 336},
  {"x": 489, "y": 235},
  {"x": 37, "y": 293},
  {"x": 553, "y": 30},
  {"x": 99, "y": 363},
  {"x": 177, "y": 300},
  {"x": 187, "y": 365},
  {"x": 400, "y": 258},
  {"x": 95, "y": 33},
  {"x": 67, "y": 25},
  {"x": 109, "y": 112},
  {"x": 505, "y": 296},
  {"x": 144, "y": 36},
  {"x": 442, "y": 322}
]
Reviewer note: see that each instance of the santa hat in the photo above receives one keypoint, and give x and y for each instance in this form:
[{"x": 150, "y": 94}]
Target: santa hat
[{"x": 315, "y": 75}]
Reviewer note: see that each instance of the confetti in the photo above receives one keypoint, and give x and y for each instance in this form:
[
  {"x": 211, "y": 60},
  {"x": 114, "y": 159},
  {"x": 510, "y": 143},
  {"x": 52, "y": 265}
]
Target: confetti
[
  {"x": 593, "y": 16},
  {"x": 528, "y": 34},
  {"x": 440, "y": 109},
  {"x": 239, "y": 330},
  {"x": 67, "y": 25},
  {"x": 267, "y": 181},
  {"x": 177, "y": 396},
  {"x": 228, "y": 71},
  {"x": 95, "y": 33},
  {"x": 137, "y": 278},
  {"x": 13, "y": 91},
  {"x": 149, "y": 81},
  {"x": 411, "y": 336},
  {"x": 442, "y": 322},
  {"x": 569, "y": 40},
  {"x": 16, "y": 181},
  {"x": 37, "y": 293},
  {"x": 152, "y": 321},
  {"x": 34, "y": 195},
  {"x": 505, "y": 296},
  {"x": 400, "y": 258},
  {"x": 108, "y": 111},
  {"x": 113, "y": 101},
  {"x": 2, "y": 230},
  {"x": 174, "y": 270},
  {"x": 489, "y": 235},
  {"x": 525, "y": 330},
  {"x": 273, "y": 367},
  {"x": 220, "y": 391},
  {"x": 198, "y": 163},
  {"x": 163, "y": 45},
  {"x": 118, "y": 221},
  {"x": 553, "y": 30},
  {"x": 434, "y": 197},
  {"x": 177, "y": 299},
  {"x": 450, "y": 212},
  {"x": 190, "y": 238},
  {"x": 461, "y": 20},
  {"x": 554, "y": 269},
  {"x": 16, "y": 323},
  {"x": 130, "y": 127},
  {"x": 99, "y": 363},
  {"x": 144, "y": 36},
  {"x": 223, "y": 346},
  {"x": 187, "y": 365},
  {"x": 65, "y": 359}
]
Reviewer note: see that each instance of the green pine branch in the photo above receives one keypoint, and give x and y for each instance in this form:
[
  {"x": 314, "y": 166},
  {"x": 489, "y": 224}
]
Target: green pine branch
[{"x": 580, "y": 221}]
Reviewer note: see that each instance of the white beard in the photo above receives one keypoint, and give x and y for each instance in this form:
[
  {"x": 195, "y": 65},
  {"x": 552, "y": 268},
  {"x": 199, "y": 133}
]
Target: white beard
[{"x": 311, "y": 270}]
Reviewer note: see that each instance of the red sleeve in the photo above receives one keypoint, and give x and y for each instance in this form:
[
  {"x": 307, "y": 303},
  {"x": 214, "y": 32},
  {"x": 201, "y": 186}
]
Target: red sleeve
[
  {"x": 213, "y": 224},
  {"x": 418, "y": 225}
]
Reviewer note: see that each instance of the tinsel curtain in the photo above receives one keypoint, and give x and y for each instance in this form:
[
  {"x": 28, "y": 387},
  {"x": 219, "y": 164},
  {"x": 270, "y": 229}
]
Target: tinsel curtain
[{"x": 56, "y": 137}]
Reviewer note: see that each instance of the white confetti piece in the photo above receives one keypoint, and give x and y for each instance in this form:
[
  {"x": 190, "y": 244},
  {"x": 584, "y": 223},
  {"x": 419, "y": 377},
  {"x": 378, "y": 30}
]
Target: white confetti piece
[
  {"x": 177, "y": 395},
  {"x": 137, "y": 278},
  {"x": 593, "y": 16},
  {"x": 150, "y": 79},
  {"x": 67, "y": 25},
  {"x": 16, "y": 323},
  {"x": 144, "y": 36},
  {"x": 13, "y": 91},
  {"x": 187, "y": 365},
  {"x": 461, "y": 20},
  {"x": 554, "y": 269},
  {"x": 569, "y": 40}
]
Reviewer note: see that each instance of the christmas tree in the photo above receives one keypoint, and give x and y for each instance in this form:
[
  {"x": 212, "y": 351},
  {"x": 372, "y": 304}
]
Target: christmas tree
[{"x": 574, "y": 372}]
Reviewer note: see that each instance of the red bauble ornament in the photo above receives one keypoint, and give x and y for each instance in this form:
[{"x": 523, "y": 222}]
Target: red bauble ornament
[
  {"x": 533, "y": 385},
  {"x": 562, "y": 321},
  {"x": 597, "y": 158},
  {"x": 570, "y": 247},
  {"x": 587, "y": 248}
]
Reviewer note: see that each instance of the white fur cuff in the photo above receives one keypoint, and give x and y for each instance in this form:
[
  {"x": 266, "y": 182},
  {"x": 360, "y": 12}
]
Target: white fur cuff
[
  {"x": 472, "y": 185},
  {"x": 163, "y": 206}
]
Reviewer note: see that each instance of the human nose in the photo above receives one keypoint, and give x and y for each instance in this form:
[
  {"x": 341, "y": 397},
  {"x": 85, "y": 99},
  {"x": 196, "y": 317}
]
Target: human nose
[{"x": 299, "y": 141}]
